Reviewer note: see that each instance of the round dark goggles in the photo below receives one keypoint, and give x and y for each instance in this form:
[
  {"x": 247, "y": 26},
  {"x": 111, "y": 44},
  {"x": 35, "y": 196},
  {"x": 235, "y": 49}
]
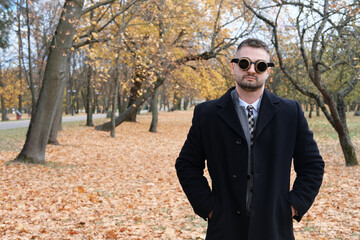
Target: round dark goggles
[{"x": 245, "y": 63}]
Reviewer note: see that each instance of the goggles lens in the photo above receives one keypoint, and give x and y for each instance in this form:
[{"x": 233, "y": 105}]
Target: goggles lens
[
  {"x": 245, "y": 63},
  {"x": 261, "y": 66}
]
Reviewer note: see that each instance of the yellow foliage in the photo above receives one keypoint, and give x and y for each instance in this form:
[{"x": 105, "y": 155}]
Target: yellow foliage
[
  {"x": 159, "y": 33},
  {"x": 13, "y": 87}
]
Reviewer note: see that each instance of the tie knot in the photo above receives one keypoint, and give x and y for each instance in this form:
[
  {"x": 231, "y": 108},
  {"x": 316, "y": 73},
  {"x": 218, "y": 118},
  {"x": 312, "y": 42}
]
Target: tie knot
[{"x": 250, "y": 108}]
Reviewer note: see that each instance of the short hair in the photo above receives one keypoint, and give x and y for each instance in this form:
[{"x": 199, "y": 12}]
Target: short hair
[{"x": 255, "y": 43}]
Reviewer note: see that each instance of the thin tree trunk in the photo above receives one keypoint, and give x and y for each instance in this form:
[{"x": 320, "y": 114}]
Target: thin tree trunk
[
  {"x": 18, "y": 14},
  {"x": 357, "y": 112},
  {"x": 186, "y": 103},
  {"x": 68, "y": 99},
  {"x": 89, "y": 112},
  {"x": 119, "y": 102},
  {"x": 317, "y": 110},
  {"x": 115, "y": 96},
  {"x": 352, "y": 106},
  {"x": 55, "y": 73},
  {"x": 114, "y": 107},
  {"x": 3, "y": 109},
  {"x": 30, "y": 73},
  {"x": 154, "y": 111}
]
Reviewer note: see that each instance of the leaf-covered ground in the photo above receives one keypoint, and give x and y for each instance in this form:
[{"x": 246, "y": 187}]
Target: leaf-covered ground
[{"x": 98, "y": 187}]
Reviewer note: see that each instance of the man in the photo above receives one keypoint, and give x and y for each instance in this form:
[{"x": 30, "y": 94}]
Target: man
[{"x": 249, "y": 152}]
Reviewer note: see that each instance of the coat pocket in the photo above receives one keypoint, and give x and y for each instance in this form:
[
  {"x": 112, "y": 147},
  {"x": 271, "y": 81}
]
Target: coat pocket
[{"x": 215, "y": 215}]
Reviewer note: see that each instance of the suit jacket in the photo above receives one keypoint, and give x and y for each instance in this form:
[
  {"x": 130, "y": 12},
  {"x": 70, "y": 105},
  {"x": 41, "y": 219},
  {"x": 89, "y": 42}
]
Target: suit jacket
[{"x": 281, "y": 135}]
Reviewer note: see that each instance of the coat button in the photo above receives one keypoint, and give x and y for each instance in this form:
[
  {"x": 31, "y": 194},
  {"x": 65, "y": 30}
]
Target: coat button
[
  {"x": 238, "y": 212},
  {"x": 234, "y": 177},
  {"x": 238, "y": 141}
]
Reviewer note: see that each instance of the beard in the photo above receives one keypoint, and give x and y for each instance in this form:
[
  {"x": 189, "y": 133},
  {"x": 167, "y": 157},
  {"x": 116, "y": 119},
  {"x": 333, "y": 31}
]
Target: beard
[{"x": 249, "y": 86}]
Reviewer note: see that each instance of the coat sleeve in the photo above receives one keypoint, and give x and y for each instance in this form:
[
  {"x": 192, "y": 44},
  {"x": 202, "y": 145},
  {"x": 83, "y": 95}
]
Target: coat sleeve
[
  {"x": 190, "y": 170},
  {"x": 309, "y": 168}
]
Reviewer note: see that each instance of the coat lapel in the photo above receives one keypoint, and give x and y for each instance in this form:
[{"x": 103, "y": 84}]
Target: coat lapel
[
  {"x": 228, "y": 113},
  {"x": 268, "y": 109}
]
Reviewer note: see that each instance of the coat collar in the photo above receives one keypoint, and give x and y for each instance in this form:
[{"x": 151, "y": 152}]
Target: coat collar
[
  {"x": 268, "y": 109},
  {"x": 227, "y": 111}
]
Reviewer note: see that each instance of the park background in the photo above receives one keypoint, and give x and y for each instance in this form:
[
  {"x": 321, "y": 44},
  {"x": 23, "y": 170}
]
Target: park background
[{"x": 145, "y": 64}]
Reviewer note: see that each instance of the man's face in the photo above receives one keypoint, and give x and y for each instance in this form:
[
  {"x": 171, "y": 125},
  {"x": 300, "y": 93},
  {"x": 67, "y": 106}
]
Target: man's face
[{"x": 250, "y": 80}]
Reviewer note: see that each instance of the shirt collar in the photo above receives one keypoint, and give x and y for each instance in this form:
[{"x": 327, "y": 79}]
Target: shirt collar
[{"x": 256, "y": 104}]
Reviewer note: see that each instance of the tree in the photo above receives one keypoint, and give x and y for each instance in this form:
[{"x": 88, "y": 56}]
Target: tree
[
  {"x": 51, "y": 92},
  {"x": 323, "y": 36},
  {"x": 176, "y": 38},
  {"x": 10, "y": 87},
  {"x": 97, "y": 30},
  {"x": 56, "y": 73}
]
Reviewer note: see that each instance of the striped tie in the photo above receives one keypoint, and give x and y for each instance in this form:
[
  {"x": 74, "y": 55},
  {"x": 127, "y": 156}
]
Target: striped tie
[{"x": 251, "y": 120}]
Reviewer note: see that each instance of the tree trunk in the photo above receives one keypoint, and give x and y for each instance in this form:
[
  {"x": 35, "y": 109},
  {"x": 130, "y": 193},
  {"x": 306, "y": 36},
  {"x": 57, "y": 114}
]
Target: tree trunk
[
  {"x": 20, "y": 103},
  {"x": 343, "y": 133},
  {"x": 186, "y": 103},
  {"x": 114, "y": 107},
  {"x": 68, "y": 99},
  {"x": 56, "y": 125},
  {"x": 134, "y": 94},
  {"x": 18, "y": 15},
  {"x": 177, "y": 102},
  {"x": 89, "y": 112},
  {"x": 317, "y": 110},
  {"x": 51, "y": 92},
  {"x": 348, "y": 149},
  {"x": 77, "y": 109},
  {"x": 341, "y": 109},
  {"x": 132, "y": 108},
  {"x": 357, "y": 112},
  {"x": 310, "y": 110},
  {"x": 115, "y": 96},
  {"x": 154, "y": 111},
  {"x": 31, "y": 81},
  {"x": 119, "y": 102},
  {"x": 124, "y": 100},
  {"x": 353, "y": 106},
  {"x": 3, "y": 109}
]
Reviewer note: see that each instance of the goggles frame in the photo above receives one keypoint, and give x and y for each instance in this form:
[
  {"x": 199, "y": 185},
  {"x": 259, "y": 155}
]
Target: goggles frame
[{"x": 238, "y": 60}]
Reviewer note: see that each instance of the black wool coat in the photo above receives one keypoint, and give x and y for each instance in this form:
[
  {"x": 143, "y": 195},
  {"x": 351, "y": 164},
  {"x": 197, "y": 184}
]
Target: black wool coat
[{"x": 281, "y": 136}]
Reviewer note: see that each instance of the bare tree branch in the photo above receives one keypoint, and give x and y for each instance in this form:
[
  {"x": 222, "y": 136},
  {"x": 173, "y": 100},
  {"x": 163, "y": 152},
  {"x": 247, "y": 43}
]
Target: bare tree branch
[{"x": 94, "y": 6}]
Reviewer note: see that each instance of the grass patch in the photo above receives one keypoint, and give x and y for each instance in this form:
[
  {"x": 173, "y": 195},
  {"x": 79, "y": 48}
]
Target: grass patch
[
  {"x": 323, "y": 129},
  {"x": 12, "y": 140}
]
